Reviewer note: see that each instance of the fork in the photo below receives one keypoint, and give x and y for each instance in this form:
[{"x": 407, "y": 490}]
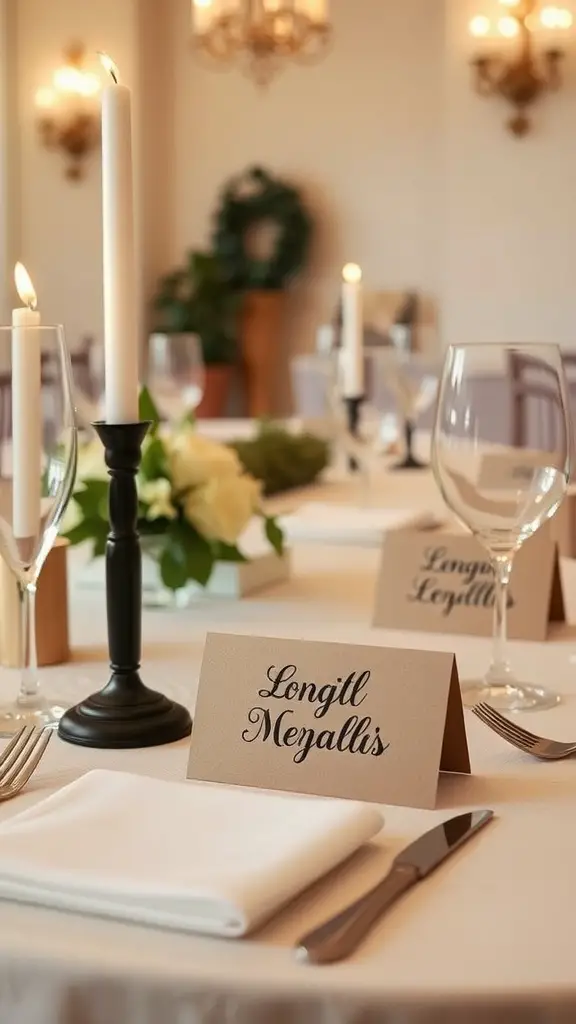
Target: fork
[
  {"x": 538, "y": 746},
  {"x": 20, "y": 759}
]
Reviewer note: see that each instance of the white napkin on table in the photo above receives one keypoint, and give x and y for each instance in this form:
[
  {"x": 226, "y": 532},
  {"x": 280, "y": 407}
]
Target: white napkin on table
[
  {"x": 211, "y": 859},
  {"x": 321, "y": 522}
]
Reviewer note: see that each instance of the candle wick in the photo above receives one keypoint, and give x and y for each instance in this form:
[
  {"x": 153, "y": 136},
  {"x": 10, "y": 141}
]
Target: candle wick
[
  {"x": 114, "y": 76},
  {"x": 31, "y": 304}
]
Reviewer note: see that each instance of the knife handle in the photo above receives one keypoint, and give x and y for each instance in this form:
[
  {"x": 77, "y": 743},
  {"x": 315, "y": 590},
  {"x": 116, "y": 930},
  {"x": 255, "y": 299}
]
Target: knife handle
[{"x": 340, "y": 936}]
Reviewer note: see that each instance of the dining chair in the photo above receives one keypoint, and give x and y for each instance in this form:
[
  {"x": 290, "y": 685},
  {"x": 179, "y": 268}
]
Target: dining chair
[{"x": 534, "y": 401}]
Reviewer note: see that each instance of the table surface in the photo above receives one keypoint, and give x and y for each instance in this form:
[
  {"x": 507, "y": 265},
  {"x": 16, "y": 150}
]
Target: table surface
[{"x": 491, "y": 929}]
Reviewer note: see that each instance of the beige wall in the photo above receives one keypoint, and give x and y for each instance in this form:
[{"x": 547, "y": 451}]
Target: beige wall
[
  {"x": 60, "y": 224},
  {"x": 409, "y": 172},
  {"x": 510, "y": 223}
]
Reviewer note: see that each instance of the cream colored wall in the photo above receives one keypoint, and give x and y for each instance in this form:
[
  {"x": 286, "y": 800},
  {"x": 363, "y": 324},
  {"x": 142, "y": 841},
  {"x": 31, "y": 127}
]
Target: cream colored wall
[
  {"x": 361, "y": 133},
  {"x": 60, "y": 223},
  {"x": 509, "y": 261},
  {"x": 409, "y": 172}
]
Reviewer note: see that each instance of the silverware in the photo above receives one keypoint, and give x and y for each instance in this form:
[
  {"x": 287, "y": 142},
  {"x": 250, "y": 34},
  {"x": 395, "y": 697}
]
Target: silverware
[
  {"x": 538, "y": 746},
  {"x": 20, "y": 759},
  {"x": 338, "y": 937}
]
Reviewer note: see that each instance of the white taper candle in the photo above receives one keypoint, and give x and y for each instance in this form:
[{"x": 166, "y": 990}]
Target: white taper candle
[
  {"x": 120, "y": 303},
  {"x": 352, "y": 352},
  {"x": 26, "y": 412}
]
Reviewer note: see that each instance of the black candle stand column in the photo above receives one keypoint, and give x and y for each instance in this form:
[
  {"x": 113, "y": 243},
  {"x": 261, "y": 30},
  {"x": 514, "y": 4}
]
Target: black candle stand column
[
  {"x": 353, "y": 407},
  {"x": 125, "y": 713}
]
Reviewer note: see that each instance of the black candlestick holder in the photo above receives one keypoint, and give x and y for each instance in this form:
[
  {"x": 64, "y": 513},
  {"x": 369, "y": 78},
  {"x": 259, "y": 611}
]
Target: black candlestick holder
[
  {"x": 353, "y": 407},
  {"x": 125, "y": 713},
  {"x": 409, "y": 461}
]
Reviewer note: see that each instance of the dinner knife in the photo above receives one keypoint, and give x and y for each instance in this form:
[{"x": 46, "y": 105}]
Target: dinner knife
[{"x": 338, "y": 937}]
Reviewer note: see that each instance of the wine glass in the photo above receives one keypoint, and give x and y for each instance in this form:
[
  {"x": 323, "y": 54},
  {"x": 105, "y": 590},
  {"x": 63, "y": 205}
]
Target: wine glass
[
  {"x": 502, "y": 493},
  {"x": 38, "y": 455},
  {"x": 176, "y": 374},
  {"x": 413, "y": 382}
]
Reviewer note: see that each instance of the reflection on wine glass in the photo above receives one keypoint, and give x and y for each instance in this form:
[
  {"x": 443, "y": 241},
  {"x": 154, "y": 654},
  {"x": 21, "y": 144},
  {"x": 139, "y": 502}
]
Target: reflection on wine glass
[
  {"x": 175, "y": 374},
  {"x": 502, "y": 493},
  {"x": 38, "y": 455}
]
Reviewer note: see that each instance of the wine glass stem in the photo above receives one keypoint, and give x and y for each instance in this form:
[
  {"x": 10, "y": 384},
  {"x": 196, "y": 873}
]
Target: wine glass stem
[
  {"x": 409, "y": 438},
  {"x": 503, "y": 571},
  {"x": 29, "y": 683}
]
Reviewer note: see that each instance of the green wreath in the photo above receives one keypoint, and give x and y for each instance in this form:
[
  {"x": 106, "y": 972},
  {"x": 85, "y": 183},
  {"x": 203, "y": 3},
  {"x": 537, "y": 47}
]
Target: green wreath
[{"x": 247, "y": 201}]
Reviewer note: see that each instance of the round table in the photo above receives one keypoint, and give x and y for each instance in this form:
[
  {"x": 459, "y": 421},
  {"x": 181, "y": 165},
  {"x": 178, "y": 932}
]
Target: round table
[{"x": 488, "y": 937}]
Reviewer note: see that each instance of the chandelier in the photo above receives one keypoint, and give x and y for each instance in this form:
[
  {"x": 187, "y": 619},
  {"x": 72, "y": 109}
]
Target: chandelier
[{"x": 261, "y": 34}]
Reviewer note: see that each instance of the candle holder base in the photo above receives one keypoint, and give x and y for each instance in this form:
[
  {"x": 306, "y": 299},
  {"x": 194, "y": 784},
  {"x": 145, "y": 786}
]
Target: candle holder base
[{"x": 125, "y": 714}]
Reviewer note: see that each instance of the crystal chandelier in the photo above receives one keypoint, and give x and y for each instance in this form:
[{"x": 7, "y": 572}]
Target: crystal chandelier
[{"x": 261, "y": 34}]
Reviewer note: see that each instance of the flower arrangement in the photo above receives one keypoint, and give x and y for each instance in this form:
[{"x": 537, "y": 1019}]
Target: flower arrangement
[{"x": 195, "y": 500}]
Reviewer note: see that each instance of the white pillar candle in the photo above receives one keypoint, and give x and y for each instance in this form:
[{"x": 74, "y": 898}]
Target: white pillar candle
[
  {"x": 352, "y": 352},
  {"x": 26, "y": 412},
  {"x": 120, "y": 303}
]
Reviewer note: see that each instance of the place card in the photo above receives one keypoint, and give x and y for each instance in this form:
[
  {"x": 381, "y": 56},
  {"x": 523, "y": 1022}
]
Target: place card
[
  {"x": 363, "y": 723},
  {"x": 444, "y": 583}
]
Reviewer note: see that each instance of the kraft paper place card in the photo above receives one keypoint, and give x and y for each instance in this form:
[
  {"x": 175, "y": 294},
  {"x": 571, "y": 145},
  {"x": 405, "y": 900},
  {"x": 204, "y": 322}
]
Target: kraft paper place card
[
  {"x": 502, "y": 470},
  {"x": 329, "y": 719},
  {"x": 444, "y": 583}
]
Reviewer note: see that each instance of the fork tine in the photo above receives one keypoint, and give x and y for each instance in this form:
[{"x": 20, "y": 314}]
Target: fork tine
[
  {"x": 14, "y": 750},
  {"x": 517, "y": 730},
  {"x": 520, "y": 741},
  {"x": 499, "y": 726},
  {"x": 30, "y": 764}
]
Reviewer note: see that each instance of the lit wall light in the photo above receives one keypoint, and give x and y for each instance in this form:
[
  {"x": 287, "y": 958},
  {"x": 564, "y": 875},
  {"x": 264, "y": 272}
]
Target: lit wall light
[
  {"x": 523, "y": 78},
  {"x": 69, "y": 112}
]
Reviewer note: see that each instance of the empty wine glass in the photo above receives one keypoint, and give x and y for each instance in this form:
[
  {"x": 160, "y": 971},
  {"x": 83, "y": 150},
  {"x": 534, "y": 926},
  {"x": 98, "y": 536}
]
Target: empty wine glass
[
  {"x": 413, "y": 382},
  {"x": 175, "y": 374},
  {"x": 501, "y": 492},
  {"x": 38, "y": 455}
]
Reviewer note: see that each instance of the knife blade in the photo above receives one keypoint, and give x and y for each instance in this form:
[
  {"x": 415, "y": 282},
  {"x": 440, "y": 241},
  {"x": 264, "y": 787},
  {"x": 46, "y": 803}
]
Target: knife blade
[{"x": 338, "y": 937}]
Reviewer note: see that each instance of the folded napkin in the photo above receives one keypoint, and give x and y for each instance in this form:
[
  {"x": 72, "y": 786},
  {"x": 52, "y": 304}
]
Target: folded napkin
[
  {"x": 211, "y": 859},
  {"x": 344, "y": 524}
]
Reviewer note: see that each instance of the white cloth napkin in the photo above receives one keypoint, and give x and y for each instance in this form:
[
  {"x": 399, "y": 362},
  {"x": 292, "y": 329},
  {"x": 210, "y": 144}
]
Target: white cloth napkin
[
  {"x": 211, "y": 859},
  {"x": 320, "y": 522}
]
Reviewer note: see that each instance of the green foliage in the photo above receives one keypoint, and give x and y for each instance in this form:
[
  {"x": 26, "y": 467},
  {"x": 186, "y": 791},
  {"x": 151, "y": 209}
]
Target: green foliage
[
  {"x": 198, "y": 299},
  {"x": 182, "y": 553},
  {"x": 282, "y": 460},
  {"x": 254, "y": 198},
  {"x": 148, "y": 410}
]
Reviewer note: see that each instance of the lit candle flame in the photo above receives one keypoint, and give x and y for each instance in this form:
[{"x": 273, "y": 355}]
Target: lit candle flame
[
  {"x": 352, "y": 273},
  {"x": 24, "y": 286},
  {"x": 109, "y": 65}
]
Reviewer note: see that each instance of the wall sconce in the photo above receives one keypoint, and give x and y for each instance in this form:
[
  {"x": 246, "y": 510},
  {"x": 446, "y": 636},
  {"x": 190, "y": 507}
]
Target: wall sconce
[
  {"x": 521, "y": 79},
  {"x": 69, "y": 112}
]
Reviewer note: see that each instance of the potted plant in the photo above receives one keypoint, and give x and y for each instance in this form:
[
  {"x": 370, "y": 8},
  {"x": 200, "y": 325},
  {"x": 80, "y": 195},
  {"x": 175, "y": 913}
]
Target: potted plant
[
  {"x": 259, "y": 208},
  {"x": 197, "y": 299}
]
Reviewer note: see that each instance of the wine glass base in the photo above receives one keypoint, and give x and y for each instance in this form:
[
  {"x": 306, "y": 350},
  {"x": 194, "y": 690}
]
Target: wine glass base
[
  {"x": 508, "y": 697},
  {"x": 40, "y": 713}
]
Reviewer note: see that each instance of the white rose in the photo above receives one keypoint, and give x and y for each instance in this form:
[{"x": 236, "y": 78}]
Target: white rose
[
  {"x": 222, "y": 508},
  {"x": 157, "y": 494},
  {"x": 194, "y": 460}
]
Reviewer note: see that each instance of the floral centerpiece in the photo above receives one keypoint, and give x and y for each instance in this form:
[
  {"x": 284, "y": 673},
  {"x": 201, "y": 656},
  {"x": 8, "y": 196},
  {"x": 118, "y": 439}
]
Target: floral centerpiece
[{"x": 195, "y": 501}]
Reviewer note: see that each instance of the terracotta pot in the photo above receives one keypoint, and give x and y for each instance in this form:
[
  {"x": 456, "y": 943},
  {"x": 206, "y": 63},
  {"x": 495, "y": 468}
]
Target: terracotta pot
[
  {"x": 260, "y": 336},
  {"x": 216, "y": 390}
]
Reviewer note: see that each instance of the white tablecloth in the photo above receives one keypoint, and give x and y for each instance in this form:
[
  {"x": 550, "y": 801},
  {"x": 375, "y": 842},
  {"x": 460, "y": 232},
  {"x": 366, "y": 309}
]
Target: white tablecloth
[{"x": 489, "y": 937}]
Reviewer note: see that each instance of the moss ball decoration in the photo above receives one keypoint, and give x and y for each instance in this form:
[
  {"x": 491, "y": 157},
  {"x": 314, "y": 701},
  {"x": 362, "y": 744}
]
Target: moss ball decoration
[{"x": 248, "y": 202}]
